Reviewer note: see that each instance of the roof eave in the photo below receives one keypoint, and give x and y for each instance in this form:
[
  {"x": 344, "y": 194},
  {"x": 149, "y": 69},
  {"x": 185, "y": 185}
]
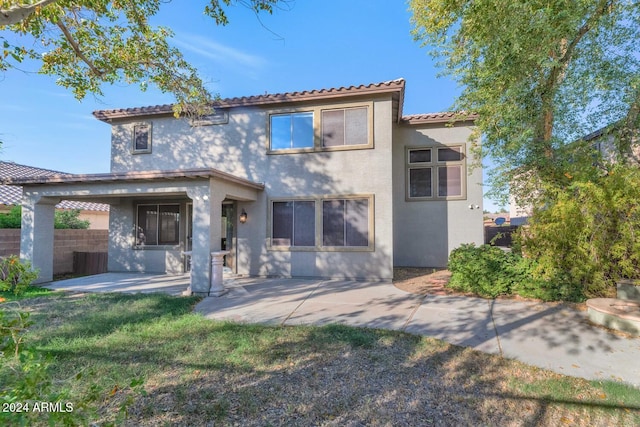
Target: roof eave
[
  {"x": 133, "y": 177},
  {"x": 391, "y": 86}
]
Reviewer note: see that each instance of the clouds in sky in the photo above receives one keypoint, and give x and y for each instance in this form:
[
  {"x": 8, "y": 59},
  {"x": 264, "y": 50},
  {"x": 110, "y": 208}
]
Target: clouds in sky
[{"x": 222, "y": 55}]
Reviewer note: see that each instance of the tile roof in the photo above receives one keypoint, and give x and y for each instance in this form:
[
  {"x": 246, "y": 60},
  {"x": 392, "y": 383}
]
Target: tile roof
[
  {"x": 390, "y": 86},
  {"x": 12, "y": 195},
  {"x": 13, "y": 170},
  {"x": 396, "y": 87}
]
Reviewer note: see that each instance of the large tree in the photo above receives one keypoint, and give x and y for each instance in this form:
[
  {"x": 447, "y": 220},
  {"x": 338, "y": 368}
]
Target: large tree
[
  {"x": 87, "y": 43},
  {"x": 540, "y": 74}
]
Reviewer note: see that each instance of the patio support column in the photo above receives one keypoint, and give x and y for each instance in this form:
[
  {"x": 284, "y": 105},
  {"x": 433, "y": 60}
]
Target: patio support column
[
  {"x": 207, "y": 237},
  {"x": 36, "y": 235},
  {"x": 217, "y": 195}
]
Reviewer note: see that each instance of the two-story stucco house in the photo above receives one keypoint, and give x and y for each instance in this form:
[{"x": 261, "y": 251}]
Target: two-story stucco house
[{"x": 333, "y": 183}]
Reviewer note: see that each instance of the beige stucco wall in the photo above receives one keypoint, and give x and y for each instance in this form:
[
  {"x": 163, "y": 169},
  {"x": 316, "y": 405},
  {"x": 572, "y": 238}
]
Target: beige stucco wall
[
  {"x": 240, "y": 148},
  {"x": 425, "y": 232},
  {"x": 98, "y": 220}
]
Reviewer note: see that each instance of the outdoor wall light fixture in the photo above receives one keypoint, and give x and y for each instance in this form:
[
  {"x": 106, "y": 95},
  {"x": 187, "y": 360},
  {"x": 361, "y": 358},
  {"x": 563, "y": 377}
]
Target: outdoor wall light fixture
[{"x": 243, "y": 217}]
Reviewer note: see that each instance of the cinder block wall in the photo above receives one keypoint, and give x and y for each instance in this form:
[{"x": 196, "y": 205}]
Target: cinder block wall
[
  {"x": 64, "y": 244},
  {"x": 9, "y": 242}
]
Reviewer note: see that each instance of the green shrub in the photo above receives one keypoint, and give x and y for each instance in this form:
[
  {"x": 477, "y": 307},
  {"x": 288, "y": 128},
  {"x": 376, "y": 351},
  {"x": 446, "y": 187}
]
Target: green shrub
[
  {"x": 587, "y": 235},
  {"x": 63, "y": 219},
  {"x": 12, "y": 219},
  {"x": 70, "y": 219},
  {"x": 485, "y": 270},
  {"x": 25, "y": 379},
  {"x": 489, "y": 271},
  {"x": 16, "y": 276}
]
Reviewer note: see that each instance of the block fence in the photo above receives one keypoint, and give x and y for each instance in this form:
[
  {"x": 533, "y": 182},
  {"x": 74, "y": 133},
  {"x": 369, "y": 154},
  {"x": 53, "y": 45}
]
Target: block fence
[{"x": 65, "y": 243}]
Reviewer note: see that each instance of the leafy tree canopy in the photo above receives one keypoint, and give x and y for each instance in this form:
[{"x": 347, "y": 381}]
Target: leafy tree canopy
[
  {"x": 540, "y": 74},
  {"x": 86, "y": 43}
]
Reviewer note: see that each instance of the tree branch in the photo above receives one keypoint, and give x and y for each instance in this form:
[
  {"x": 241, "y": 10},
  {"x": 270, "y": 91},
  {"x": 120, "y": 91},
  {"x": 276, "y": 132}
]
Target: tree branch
[
  {"x": 554, "y": 78},
  {"x": 628, "y": 132},
  {"x": 19, "y": 13},
  {"x": 77, "y": 50}
]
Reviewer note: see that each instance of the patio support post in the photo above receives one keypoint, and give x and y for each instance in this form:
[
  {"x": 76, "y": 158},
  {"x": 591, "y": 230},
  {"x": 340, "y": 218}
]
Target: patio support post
[
  {"x": 36, "y": 236},
  {"x": 217, "y": 195},
  {"x": 200, "y": 245},
  {"x": 207, "y": 238}
]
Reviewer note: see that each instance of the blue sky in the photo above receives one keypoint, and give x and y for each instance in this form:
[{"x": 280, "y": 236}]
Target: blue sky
[{"x": 309, "y": 45}]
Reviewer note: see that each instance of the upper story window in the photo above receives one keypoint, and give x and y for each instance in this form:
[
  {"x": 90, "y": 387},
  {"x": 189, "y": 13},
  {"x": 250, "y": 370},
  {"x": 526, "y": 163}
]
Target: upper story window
[
  {"x": 290, "y": 131},
  {"x": 435, "y": 173},
  {"x": 141, "y": 140},
  {"x": 349, "y": 126},
  {"x": 345, "y": 126}
]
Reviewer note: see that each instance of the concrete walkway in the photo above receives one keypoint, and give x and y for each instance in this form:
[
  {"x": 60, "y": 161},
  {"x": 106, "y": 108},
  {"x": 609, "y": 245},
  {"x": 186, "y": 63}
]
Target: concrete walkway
[{"x": 549, "y": 336}]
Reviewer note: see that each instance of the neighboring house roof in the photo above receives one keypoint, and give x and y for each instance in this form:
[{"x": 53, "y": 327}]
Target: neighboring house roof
[
  {"x": 395, "y": 87},
  {"x": 12, "y": 195}
]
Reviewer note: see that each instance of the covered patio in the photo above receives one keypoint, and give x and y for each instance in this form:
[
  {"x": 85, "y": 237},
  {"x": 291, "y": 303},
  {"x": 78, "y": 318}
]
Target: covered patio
[
  {"x": 202, "y": 190},
  {"x": 176, "y": 285}
]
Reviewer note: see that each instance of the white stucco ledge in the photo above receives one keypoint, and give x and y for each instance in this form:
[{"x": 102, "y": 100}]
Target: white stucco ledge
[
  {"x": 217, "y": 287},
  {"x": 618, "y": 314},
  {"x": 201, "y": 173}
]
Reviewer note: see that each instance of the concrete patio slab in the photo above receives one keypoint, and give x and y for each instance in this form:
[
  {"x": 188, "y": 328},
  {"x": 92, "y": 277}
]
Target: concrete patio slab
[
  {"x": 550, "y": 336},
  {"x": 372, "y": 305},
  {"x": 462, "y": 321},
  {"x": 268, "y": 301},
  {"x": 124, "y": 282},
  {"x": 560, "y": 338}
]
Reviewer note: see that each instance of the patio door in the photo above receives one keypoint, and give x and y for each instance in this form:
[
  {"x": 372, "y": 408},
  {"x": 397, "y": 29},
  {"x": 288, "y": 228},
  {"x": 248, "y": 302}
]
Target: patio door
[
  {"x": 228, "y": 233},
  {"x": 188, "y": 245}
]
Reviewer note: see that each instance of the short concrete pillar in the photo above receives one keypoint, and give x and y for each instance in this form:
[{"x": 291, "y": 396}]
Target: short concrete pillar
[
  {"x": 187, "y": 262},
  {"x": 217, "y": 287}
]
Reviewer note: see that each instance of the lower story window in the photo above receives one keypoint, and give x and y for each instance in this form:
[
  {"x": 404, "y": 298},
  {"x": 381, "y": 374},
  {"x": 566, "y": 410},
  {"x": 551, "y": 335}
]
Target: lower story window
[
  {"x": 345, "y": 222},
  {"x": 294, "y": 223},
  {"x": 342, "y": 223},
  {"x": 158, "y": 225}
]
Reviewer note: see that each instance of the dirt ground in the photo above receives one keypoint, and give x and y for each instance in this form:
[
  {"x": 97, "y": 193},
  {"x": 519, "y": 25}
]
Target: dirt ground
[
  {"x": 423, "y": 281},
  {"x": 432, "y": 281}
]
